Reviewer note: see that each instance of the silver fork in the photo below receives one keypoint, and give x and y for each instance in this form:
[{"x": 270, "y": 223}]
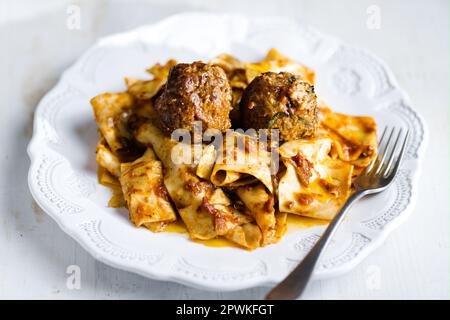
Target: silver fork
[{"x": 376, "y": 178}]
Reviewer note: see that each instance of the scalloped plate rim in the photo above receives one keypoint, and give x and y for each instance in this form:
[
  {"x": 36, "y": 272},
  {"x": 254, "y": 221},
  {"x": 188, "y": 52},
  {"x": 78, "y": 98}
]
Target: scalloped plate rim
[{"x": 261, "y": 281}]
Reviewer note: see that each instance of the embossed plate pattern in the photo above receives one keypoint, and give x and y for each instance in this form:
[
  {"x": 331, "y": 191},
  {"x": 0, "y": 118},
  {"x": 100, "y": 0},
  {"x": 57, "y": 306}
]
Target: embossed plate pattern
[{"x": 62, "y": 176}]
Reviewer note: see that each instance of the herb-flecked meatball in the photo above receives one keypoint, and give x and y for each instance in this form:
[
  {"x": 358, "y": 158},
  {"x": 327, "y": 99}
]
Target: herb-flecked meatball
[
  {"x": 194, "y": 92},
  {"x": 280, "y": 101}
]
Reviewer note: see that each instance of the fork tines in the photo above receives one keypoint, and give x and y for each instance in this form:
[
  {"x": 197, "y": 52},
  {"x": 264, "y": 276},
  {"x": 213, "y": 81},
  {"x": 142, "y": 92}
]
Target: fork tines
[{"x": 389, "y": 155}]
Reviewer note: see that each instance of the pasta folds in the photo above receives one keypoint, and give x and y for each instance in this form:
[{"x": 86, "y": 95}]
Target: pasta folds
[
  {"x": 144, "y": 191},
  {"x": 108, "y": 108},
  {"x": 106, "y": 179},
  {"x": 147, "y": 89},
  {"x": 354, "y": 138},
  {"x": 107, "y": 159},
  {"x": 205, "y": 209},
  {"x": 260, "y": 204},
  {"x": 242, "y": 160},
  {"x": 247, "y": 235},
  {"x": 319, "y": 190}
]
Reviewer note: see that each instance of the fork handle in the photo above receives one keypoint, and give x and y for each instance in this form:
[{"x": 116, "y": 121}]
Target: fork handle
[{"x": 295, "y": 283}]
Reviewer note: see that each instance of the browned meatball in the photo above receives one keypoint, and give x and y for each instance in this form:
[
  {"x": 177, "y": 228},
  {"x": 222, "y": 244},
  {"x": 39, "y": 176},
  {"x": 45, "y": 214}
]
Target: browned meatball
[
  {"x": 280, "y": 101},
  {"x": 194, "y": 92}
]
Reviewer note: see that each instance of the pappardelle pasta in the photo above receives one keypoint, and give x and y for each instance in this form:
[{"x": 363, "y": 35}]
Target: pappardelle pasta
[{"x": 229, "y": 148}]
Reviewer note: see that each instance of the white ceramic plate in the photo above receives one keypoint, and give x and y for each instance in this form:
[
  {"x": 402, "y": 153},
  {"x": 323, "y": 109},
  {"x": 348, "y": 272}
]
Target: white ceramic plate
[{"x": 62, "y": 176}]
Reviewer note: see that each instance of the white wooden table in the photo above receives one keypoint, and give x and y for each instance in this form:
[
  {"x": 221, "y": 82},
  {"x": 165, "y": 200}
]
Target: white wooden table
[{"x": 37, "y": 45}]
